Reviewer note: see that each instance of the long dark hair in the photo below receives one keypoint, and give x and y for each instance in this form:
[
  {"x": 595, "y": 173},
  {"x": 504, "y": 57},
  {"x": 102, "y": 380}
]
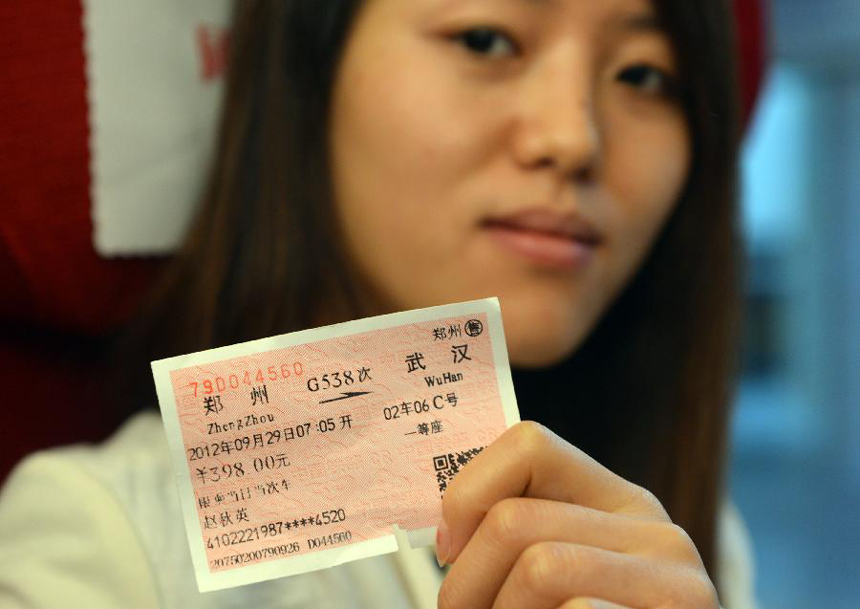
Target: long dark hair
[{"x": 647, "y": 394}]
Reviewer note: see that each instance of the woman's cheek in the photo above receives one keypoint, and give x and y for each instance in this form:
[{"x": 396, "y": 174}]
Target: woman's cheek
[{"x": 648, "y": 181}]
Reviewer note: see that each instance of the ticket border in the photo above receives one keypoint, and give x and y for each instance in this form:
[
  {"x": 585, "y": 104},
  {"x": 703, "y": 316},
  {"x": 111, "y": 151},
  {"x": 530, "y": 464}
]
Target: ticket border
[{"x": 303, "y": 563}]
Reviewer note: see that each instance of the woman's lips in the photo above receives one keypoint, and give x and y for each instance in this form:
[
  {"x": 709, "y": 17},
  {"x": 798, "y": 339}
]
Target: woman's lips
[{"x": 546, "y": 239}]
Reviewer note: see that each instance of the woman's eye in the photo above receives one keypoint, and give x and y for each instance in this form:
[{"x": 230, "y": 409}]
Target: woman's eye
[
  {"x": 487, "y": 41},
  {"x": 649, "y": 79}
]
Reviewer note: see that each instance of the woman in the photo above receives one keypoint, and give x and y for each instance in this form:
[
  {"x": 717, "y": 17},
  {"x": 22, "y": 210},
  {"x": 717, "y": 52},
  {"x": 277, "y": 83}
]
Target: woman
[{"x": 575, "y": 159}]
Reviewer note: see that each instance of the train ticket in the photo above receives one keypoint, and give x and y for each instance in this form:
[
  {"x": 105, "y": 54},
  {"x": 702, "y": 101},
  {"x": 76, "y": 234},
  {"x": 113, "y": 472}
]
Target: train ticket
[{"x": 308, "y": 450}]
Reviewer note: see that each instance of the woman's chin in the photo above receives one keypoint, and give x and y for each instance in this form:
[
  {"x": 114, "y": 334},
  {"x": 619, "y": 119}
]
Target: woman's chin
[
  {"x": 536, "y": 351},
  {"x": 541, "y": 332}
]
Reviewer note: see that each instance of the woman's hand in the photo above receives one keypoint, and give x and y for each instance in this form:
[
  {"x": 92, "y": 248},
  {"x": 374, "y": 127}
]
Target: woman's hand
[{"x": 533, "y": 522}]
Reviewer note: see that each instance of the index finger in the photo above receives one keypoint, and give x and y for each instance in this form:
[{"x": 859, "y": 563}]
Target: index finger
[{"x": 529, "y": 460}]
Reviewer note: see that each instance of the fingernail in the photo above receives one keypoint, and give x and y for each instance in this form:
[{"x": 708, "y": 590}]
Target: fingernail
[{"x": 443, "y": 544}]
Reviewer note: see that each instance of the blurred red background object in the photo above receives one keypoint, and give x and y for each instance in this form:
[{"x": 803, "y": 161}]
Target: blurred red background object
[
  {"x": 752, "y": 50},
  {"x": 59, "y": 297}
]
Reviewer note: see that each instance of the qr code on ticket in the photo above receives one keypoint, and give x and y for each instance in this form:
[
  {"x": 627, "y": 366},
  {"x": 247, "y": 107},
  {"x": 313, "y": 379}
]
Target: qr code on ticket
[{"x": 448, "y": 465}]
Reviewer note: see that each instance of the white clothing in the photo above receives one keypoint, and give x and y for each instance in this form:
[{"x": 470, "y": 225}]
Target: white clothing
[{"x": 101, "y": 527}]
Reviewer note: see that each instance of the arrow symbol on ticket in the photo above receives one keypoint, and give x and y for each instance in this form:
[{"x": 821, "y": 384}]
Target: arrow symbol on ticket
[{"x": 345, "y": 396}]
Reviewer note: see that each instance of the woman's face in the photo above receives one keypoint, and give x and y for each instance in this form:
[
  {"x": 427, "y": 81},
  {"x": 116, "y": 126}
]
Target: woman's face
[{"x": 525, "y": 149}]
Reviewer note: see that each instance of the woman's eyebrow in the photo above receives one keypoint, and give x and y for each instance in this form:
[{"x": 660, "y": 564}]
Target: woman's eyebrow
[
  {"x": 643, "y": 22},
  {"x": 648, "y": 21}
]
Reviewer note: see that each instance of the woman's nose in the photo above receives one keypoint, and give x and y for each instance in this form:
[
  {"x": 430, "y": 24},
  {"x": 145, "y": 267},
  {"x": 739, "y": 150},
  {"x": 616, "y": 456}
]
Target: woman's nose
[{"x": 557, "y": 123}]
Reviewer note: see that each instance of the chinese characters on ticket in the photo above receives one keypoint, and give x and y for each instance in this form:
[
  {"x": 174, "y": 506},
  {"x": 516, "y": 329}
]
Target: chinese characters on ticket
[{"x": 306, "y": 450}]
